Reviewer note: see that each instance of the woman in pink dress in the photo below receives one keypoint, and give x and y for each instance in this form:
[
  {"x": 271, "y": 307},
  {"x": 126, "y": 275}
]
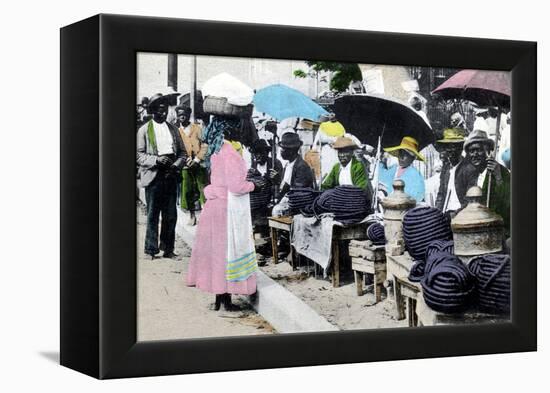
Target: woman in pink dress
[{"x": 223, "y": 259}]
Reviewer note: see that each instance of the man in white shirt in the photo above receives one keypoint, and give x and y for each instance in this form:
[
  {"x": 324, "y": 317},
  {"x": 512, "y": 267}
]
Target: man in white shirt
[
  {"x": 440, "y": 188},
  {"x": 296, "y": 173},
  {"x": 160, "y": 156},
  {"x": 348, "y": 170}
]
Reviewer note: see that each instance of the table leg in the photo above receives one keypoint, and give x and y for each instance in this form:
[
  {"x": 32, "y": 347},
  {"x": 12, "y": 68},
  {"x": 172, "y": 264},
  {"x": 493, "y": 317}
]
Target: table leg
[
  {"x": 358, "y": 282},
  {"x": 377, "y": 288},
  {"x": 414, "y": 317},
  {"x": 335, "y": 264},
  {"x": 274, "y": 245},
  {"x": 399, "y": 306}
]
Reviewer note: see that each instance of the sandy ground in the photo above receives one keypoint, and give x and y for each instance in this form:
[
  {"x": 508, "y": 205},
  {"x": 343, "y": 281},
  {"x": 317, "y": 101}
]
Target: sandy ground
[
  {"x": 340, "y": 306},
  {"x": 168, "y": 309}
]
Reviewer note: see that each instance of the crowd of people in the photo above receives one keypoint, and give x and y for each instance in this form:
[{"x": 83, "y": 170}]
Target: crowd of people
[{"x": 237, "y": 182}]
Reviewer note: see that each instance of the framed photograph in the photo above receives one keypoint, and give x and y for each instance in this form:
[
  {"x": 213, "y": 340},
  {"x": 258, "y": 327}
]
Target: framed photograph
[{"x": 272, "y": 196}]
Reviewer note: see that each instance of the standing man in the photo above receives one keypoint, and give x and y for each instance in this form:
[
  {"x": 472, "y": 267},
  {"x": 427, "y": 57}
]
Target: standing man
[
  {"x": 160, "y": 156},
  {"x": 476, "y": 169},
  {"x": 194, "y": 177},
  {"x": 440, "y": 188}
]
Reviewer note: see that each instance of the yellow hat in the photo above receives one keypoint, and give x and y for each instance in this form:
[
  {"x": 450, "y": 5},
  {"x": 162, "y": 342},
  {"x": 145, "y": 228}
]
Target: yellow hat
[
  {"x": 332, "y": 128},
  {"x": 407, "y": 143},
  {"x": 452, "y": 135}
]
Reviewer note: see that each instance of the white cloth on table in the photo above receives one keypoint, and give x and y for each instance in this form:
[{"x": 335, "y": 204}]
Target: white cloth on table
[{"x": 312, "y": 238}]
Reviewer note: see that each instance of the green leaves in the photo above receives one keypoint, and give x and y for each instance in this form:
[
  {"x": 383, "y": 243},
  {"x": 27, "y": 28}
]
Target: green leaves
[{"x": 343, "y": 73}]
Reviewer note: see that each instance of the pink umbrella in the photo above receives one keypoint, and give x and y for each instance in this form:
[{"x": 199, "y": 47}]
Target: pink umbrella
[{"x": 485, "y": 88}]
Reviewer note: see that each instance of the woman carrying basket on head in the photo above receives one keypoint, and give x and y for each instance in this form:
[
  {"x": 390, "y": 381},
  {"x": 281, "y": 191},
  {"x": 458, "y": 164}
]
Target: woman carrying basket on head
[{"x": 223, "y": 259}]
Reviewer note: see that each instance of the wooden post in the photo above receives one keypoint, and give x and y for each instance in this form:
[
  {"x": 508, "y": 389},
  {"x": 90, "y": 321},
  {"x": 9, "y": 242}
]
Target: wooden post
[
  {"x": 497, "y": 137},
  {"x": 193, "y": 92},
  {"x": 358, "y": 282},
  {"x": 173, "y": 71},
  {"x": 400, "y": 312},
  {"x": 274, "y": 245},
  {"x": 335, "y": 264}
]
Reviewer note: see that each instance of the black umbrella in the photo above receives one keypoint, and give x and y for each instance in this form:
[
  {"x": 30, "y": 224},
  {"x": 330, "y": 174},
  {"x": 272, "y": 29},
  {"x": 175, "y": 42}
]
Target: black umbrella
[{"x": 369, "y": 117}]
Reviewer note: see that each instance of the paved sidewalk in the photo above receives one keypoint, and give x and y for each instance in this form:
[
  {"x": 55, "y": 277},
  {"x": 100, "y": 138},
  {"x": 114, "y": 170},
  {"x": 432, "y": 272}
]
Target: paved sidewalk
[{"x": 168, "y": 309}]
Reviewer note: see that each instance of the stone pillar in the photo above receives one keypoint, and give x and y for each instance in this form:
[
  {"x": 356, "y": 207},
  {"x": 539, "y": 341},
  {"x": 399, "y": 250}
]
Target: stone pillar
[{"x": 395, "y": 207}]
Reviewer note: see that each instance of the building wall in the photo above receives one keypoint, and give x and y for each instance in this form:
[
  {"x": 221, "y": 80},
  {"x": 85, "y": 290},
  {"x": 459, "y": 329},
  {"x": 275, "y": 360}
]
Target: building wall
[{"x": 256, "y": 73}]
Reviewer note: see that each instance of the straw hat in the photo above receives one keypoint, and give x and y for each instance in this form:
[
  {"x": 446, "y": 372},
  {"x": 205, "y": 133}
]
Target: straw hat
[
  {"x": 452, "y": 135},
  {"x": 343, "y": 142},
  {"x": 407, "y": 143}
]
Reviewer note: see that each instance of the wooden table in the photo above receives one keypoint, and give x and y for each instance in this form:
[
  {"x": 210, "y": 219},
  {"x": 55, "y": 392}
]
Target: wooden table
[
  {"x": 342, "y": 233},
  {"x": 283, "y": 223},
  {"x": 408, "y": 297},
  {"x": 406, "y": 292},
  {"x": 429, "y": 317},
  {"x": 339, "y": 233}
]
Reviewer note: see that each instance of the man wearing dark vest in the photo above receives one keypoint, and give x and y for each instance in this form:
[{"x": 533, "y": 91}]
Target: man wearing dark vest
[
  {"x": 160, "y": 156},
  {"x": 296, "y": 172}
]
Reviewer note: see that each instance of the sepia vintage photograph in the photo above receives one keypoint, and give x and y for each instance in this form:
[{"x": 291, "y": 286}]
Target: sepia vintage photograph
[{"x": 291, "y": 196}]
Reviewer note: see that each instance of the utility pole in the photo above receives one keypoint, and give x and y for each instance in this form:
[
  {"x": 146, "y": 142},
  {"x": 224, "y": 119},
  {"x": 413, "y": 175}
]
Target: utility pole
[
  {"x": 173, "y": 71},
  {"x": 193, "y": 92}
]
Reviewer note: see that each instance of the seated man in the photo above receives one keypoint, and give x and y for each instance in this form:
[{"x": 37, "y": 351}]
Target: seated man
[
  {"x": 296, "y": 172},
  {"x": 349, "y": 170},
  {"x": 406, "y": 153}
]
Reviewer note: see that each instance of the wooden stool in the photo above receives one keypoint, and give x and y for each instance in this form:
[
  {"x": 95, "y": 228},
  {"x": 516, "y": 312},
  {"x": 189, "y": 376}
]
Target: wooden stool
[
  {"x": 366, "y": 258},
  {"x": 405, "y": 292},
  {"x": 283, "y": 223}
]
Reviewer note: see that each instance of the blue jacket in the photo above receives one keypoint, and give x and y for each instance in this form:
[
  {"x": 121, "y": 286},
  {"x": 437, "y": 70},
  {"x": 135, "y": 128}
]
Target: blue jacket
[{"x": 414, "y": 181}]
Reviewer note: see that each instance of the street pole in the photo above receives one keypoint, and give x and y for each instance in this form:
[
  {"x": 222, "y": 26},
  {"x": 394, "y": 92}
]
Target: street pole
[
  {"x": 173, "y": 71},
  {"x": 193, "y": 92}
]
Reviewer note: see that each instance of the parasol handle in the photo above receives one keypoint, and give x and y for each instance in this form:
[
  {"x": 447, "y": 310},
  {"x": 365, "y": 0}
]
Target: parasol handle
[
  {"x": 274, "y": 187},
  {"x": 497, "y": 138},
  {"x": 376, "y": 173}
]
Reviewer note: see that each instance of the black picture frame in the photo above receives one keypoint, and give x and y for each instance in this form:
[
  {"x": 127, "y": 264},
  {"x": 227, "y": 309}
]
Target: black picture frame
[{"x": 98, "y": 214}]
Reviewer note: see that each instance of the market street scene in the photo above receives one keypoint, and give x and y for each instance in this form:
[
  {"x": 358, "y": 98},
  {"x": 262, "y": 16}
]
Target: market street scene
[{"x": 289, "y": 196}]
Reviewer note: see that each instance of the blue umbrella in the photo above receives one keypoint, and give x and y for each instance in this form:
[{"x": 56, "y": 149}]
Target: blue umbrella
[{"x": 282, "y": 102}]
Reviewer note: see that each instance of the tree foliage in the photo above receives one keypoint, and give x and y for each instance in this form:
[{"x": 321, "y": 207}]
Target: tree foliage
[{"x": 343, "y": 73}]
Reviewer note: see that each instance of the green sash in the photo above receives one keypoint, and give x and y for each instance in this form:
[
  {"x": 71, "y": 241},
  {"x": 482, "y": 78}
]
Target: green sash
[{"x": 151, "y": 136}]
